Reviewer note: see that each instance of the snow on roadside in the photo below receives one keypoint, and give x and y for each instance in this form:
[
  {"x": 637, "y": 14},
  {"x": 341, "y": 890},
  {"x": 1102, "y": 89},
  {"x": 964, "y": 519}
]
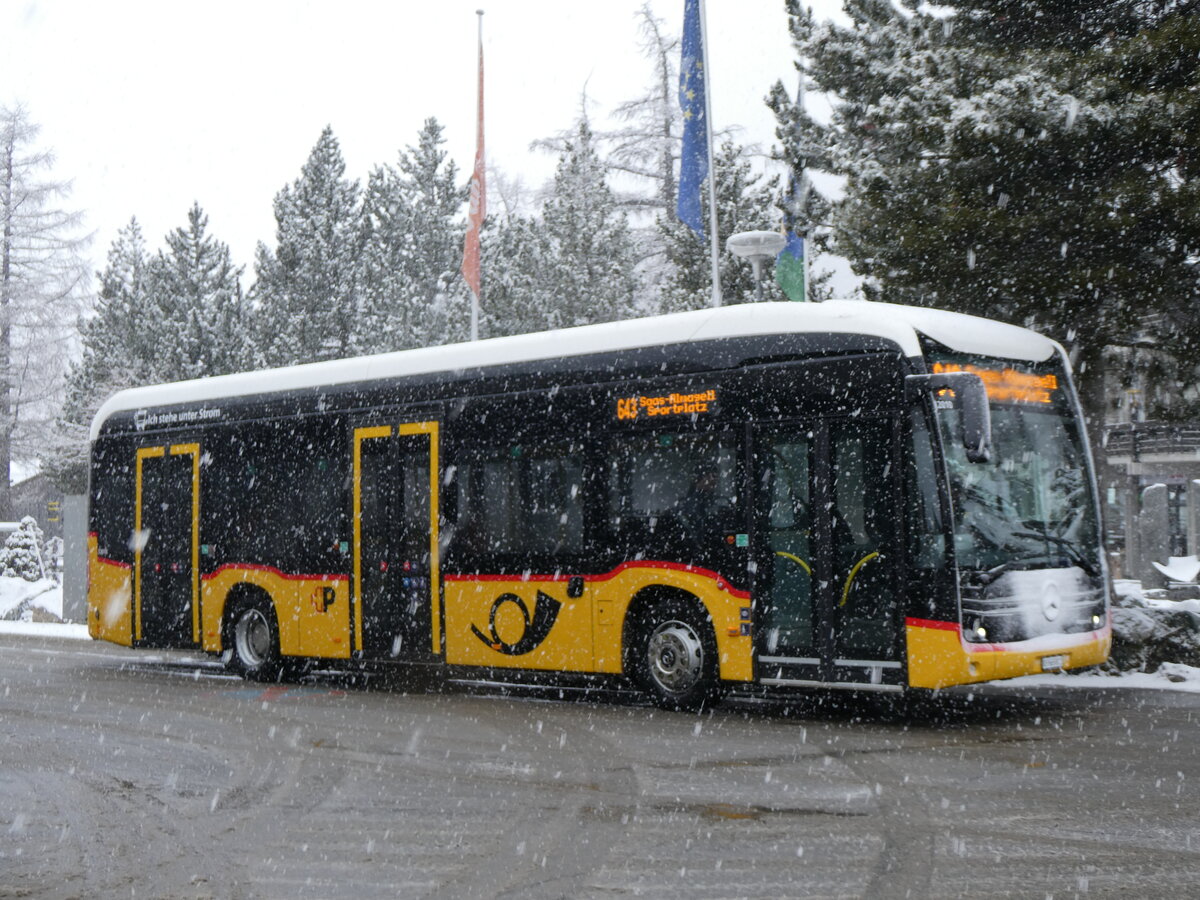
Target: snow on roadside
[
  {"x": 1169, "y": 677},
  {"x": 46, "y": 629},
  {"x": 44, "y": 594}
]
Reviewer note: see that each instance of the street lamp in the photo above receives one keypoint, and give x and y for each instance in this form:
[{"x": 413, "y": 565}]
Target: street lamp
[{"x": 758, "y": 247}]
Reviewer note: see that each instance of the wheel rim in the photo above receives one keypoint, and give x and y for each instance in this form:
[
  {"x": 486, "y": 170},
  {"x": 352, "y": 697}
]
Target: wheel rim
[
  {"x": 253, "y": 638},
  {"x": 676, "y": 657}
]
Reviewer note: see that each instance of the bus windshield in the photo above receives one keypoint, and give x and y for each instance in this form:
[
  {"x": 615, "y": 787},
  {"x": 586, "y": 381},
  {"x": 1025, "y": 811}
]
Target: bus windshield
[{"x": 1026, "y": 518}]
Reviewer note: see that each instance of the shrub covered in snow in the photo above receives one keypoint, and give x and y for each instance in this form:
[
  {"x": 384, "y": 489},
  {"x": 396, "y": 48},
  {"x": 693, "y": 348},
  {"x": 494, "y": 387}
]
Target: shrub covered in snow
[
  {"x": 1148, "y": 633},
  {"x": 24, "y": 552}
]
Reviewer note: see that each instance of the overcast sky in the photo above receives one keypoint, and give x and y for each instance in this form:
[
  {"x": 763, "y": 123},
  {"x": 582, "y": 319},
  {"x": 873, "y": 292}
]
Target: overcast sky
[{"x": 150, "y": 105}]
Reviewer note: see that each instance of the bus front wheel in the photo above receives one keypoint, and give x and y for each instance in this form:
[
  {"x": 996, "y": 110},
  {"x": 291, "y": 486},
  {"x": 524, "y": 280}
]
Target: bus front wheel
[
  {"x": 676, "y": 658},
  {"x": 253, "y": 646}
]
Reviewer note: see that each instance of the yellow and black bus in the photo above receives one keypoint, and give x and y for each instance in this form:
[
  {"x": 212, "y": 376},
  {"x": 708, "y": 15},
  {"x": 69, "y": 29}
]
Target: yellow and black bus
[{"x": 840, "y": 495}]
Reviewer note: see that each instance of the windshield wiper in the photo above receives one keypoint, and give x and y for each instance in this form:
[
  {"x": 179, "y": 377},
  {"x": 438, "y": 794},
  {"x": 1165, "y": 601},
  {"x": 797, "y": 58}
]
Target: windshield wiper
[{"x": 1073, "y": 553}]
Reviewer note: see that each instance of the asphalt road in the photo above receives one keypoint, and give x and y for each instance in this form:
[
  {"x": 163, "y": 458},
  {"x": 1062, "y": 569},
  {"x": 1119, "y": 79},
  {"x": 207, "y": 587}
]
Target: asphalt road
[{"x": 155, "y": 775}]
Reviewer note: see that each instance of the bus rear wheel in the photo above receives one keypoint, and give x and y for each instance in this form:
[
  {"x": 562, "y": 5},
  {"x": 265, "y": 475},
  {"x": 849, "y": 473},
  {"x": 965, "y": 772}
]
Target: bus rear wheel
[
  {"x": 252, "y": 648},
  {"x": 676, "y": 658}
]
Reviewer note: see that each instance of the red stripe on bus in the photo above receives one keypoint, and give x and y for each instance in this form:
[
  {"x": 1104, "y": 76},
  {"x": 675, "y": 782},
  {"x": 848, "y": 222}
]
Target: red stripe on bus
[
  {"x": 607, "y": 576},
  {"x": 104, "y": 561},
  {"x": 272, "y": 570},
  {"x": 930, "y": 623}
]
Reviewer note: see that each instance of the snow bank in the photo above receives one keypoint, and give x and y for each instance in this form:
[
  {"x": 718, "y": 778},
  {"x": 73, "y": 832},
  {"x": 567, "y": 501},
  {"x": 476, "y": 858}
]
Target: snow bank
[
  {"x": 46, "y": 629},
  {"x": 19, "y": 598},
  {"x": 1168, "y": 676},
  {"x": 1151, "y": 633}
]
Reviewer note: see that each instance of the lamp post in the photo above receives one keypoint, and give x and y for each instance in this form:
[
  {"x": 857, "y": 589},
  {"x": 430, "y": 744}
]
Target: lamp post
[{"x": 758, "y": 247}]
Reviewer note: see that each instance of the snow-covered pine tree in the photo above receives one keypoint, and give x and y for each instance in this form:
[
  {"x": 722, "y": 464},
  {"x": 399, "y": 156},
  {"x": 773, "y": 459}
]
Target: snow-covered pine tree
[
  {"x": 435, "y": 203},
  {"x": 306, "y": 295},
  {"x": 42, "y": 282},
  {"x": 573, "y": 265},
  {"x": 515, "y": 295},
  {"x": 640, "y": 155},
  {"x": 24, "y": 552},
  {"x": 412, "y": 295},
  {"x": 203, "y": 319},
  {"x": 383, "y": 281},
  {"x": 1029, "y": 160},
  {"x": 745, "y": 202},
  {"x": 590, "y": 257},
  {"x": 118, "y": 351}
]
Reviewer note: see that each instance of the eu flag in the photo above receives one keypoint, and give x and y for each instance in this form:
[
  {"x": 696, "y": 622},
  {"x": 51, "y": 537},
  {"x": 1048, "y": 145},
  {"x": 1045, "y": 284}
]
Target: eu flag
[{"x": 693, "y": 164}]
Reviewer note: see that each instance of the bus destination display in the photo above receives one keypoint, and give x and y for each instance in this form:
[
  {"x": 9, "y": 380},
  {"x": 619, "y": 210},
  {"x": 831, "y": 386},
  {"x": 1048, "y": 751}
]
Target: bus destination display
[{"x": 673, "y": 404}]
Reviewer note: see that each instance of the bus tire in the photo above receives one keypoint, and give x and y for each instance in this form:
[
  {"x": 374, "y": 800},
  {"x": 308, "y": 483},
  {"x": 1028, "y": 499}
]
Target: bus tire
[
  {"x": 252, "y": 645},
  {"x": 675, "y": 656}
]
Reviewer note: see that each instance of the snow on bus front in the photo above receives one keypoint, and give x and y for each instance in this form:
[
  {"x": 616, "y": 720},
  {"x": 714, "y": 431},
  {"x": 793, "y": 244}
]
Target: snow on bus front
[{"x": 1026, "y": 535}]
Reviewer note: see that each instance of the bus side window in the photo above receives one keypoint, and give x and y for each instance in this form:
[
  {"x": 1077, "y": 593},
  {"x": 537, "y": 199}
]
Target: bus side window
[
  {"x": 320, "y": 485},
  {"x": 245, "y": 485},
  {"x": 111, "y": 507},
  {"x": 671, "y": 487},
  {"x": 520, "y": 501},
  {"x": 552, "y": 506},
  {"x": 485, "y": 506}
]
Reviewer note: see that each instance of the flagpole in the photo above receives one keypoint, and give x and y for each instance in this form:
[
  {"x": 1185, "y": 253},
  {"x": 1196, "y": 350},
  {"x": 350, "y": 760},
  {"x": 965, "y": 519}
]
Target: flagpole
[
  {"x": 807, "y": 238},
  {"x": 715, "y": 246},
  {"x": 475, "y": 303},
  {"x": 472, "y": 266},
  {"x": 801, "y": 97}
]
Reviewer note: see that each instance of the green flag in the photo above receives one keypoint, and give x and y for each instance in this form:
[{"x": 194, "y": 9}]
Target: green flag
[{"x": 789, "y": 267}]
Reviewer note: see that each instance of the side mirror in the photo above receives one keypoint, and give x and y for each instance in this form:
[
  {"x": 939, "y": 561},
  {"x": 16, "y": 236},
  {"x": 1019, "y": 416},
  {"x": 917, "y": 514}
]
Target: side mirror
[{"x": 970, "y": 396}]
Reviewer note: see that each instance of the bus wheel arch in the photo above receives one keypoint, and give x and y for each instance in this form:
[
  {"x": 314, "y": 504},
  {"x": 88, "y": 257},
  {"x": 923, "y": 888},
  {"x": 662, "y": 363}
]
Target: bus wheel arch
[
  {"x": 670, "y": 648},
  {"x": 250, "y": 634}
]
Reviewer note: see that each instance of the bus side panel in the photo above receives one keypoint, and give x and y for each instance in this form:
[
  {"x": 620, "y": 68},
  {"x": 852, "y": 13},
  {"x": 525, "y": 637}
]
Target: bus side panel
[
  {"x": 533, "y": 624},
  {"x": 614, "y": 592},
  {"x": 110, "y": 597},
  {"x": 937, "y": 656},
  {"x": 313, "y": 611},
  {"x": 517, "y": 623}
]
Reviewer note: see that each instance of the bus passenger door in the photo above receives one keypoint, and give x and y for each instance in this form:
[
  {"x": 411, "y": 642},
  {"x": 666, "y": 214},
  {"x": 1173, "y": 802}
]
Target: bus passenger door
[
  {"x": 787, "y": 618},
  {"x": 828, "y": 605},
  {"x": 865, "y": 521},
  {"x": 166, "y": 564},
  {"x": 396, "y": 566}
]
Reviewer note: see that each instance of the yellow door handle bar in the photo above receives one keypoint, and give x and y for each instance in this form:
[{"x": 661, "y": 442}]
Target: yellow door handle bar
[
  {"x": 850, "y": 578},
  {"x": 794, "y": 558}
]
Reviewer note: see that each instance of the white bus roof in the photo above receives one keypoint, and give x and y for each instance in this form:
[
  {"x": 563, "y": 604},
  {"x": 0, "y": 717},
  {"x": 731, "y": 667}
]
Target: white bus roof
[{"x": 898, "y": 324}]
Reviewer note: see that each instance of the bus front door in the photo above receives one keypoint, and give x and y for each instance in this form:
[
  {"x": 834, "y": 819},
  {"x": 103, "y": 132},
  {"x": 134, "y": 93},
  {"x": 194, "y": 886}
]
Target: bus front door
[
  {"x": 166, "y": 565},
  {"x": 396, "y": 567},
  {"x": 828, "y": 604}
]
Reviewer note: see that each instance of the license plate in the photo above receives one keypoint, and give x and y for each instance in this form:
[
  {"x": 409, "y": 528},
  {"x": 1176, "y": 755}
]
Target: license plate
[{"x": 1053, "y": 663}]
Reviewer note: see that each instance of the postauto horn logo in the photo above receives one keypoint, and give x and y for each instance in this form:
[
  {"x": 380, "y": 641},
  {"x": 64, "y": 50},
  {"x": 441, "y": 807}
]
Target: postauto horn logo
[{"x": 536, "y": 629}]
